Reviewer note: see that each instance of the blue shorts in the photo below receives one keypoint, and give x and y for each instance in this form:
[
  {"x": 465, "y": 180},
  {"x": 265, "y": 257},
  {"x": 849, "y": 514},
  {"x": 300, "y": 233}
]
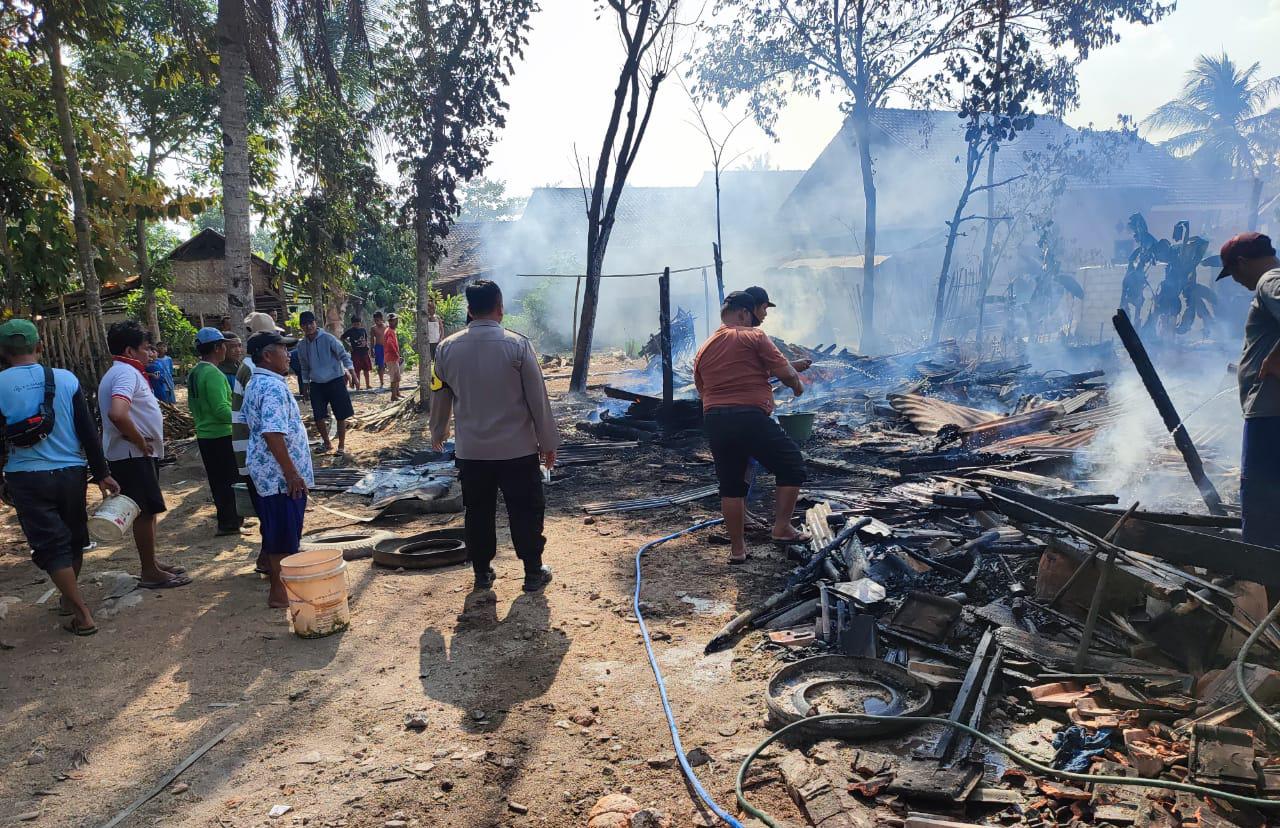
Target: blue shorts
[
  {"x": 280, "y": 519},
  {"x": 379, "y": 357}
]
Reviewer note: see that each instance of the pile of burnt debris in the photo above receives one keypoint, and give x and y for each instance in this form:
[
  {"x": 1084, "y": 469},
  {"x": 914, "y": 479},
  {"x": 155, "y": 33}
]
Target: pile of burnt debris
[{"x": 960, "y": 571}]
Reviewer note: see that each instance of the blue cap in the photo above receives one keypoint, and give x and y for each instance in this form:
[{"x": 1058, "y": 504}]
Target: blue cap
[{"x": 206, "y": 335}]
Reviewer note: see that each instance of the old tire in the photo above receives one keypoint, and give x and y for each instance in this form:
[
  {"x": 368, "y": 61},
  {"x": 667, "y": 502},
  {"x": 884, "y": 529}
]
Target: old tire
[
  {"x": 354, "y": 543},
  {"x": 427, "y": 551}
]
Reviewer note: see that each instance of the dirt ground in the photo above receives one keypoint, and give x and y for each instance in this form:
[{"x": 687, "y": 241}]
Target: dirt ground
[{"x": 537, "y": 704}]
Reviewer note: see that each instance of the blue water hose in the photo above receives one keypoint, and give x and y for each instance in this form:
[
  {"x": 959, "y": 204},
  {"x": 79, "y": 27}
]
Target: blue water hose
[{"x": 662, "y": 685}]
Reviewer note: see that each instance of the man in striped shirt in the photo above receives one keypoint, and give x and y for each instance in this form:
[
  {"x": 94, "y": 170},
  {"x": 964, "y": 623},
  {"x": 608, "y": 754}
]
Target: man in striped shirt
[{"x": 255, "y": 323}]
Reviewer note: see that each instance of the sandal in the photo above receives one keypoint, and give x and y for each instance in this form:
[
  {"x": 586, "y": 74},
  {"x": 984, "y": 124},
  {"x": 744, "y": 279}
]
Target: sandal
[
  {"x": 739, "y": 561},
  {"x": 173, "y": 570},
  {"x": 167, "y": 583},
  {"x": 800, "y": 539},
  {"x": 73, "y": 627}
]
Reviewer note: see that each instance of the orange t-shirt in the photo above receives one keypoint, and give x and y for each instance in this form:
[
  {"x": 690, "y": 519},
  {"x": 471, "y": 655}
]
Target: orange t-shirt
[
  {"x": 390, "y": 345},
  {"x": 734, "y": 365}
]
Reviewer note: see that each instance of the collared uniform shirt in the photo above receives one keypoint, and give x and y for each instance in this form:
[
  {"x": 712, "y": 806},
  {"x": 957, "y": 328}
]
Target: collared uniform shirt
[
  {"x": 492, "y": 383},
  {"x": 269, "y": 408}
]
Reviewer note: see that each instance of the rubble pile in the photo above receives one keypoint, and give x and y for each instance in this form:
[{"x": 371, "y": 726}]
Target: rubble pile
[{"x": 963, "y": 569}]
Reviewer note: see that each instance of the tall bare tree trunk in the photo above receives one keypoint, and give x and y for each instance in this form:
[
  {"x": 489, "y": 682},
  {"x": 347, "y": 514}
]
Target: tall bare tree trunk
[
  {"x": 988, "y": 245},
  {"x": 587, "y": 321},
  {"x": 75, "y": 180},
  {"x": 233, "y": 103},
  {"x": 144, "y": 256},
  {"x": 862, "y": 131},
  {"x": 421, "y": 338}
]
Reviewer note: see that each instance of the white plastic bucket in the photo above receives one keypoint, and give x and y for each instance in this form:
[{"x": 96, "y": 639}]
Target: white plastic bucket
[
  {"x": 316, "y": 585},
  {"x": 113, "y": 518}
]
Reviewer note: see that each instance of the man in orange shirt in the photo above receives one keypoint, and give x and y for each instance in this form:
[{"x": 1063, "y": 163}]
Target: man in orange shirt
[
  {"x": 732, "y": 372},
  {"x": 391, "y": 354}
]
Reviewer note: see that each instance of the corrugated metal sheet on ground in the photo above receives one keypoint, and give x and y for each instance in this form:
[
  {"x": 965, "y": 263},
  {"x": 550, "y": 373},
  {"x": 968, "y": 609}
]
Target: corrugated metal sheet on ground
[{"x": 929, "y": 415}]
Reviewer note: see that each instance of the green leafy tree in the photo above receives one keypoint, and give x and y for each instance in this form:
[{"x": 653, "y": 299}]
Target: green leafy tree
[
  {"x": 486, "y": 199},
  {"x": 175, "y": 329},
  {"x": 327, "y": 36},
  {"x": 319, "y": 223},
  {"x": 50, "y": 24},
  {"x": 157, "y": 79},
  {"x": 440, "y": 96},
  {"x": 647, "y": 29}
]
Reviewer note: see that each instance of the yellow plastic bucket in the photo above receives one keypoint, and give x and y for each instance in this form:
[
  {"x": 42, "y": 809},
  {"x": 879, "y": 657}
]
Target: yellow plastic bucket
[
  {"x": 316, "y": 585},
  {"x": 113, "y": 517}
]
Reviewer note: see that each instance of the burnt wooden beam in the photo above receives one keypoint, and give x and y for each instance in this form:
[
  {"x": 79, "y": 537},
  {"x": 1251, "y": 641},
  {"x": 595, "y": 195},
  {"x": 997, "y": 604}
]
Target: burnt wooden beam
[
  {"x": 664, "y": 339},
  {"x": 1181, "y": 547},
  {"x": 1172, "y": 422}
]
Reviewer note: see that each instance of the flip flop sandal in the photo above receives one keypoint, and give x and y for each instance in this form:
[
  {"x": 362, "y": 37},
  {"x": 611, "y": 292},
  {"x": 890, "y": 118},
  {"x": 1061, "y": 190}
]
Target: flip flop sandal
[
  {"x": 74, "y": 628},
  {"x": 739, "y": 561},
  {"x": 168, "y": 583},
  {"x": 175, "y": 570},
  {"x": 799, "y": 540}
]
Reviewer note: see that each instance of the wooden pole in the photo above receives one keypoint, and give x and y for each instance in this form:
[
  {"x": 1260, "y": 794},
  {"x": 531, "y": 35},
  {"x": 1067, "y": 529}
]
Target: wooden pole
[
  {"x": 706, "y": 302},
  {"x": 715, "y": 253},
  {"x": 1172, "y": 422},
  {"x": 577, "y": 286},
  {"x": 664, "y": 338}
]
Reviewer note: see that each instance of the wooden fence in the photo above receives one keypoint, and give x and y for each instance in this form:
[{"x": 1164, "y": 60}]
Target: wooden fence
[{"x": 69, "y": 343}]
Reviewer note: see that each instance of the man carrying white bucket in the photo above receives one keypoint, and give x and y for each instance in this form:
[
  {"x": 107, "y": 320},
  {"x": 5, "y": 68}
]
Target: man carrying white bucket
[
  {"x": 49, "y": 437},
  {"x": 133, "y": 440},
  {"x": 279, "y": 458}
]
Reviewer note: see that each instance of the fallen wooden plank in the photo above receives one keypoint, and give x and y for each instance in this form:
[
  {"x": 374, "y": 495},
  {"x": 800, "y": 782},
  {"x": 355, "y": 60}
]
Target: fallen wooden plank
[{"x": 1168, "y": 543}]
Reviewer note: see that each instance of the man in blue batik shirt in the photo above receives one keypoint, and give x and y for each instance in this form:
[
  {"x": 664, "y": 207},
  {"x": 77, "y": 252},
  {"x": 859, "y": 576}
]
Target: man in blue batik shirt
[{"x": 278, "y": 458}]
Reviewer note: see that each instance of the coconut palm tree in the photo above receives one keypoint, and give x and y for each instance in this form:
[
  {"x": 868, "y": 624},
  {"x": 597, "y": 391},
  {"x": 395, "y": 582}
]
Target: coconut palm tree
[
  {"x": 1224, "y": 116},
  {"x": 249, "y": 46}
]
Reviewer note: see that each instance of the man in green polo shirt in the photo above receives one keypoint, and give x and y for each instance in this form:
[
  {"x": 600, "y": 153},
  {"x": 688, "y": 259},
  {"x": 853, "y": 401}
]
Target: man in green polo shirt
[{"x": 209, "y": 398}]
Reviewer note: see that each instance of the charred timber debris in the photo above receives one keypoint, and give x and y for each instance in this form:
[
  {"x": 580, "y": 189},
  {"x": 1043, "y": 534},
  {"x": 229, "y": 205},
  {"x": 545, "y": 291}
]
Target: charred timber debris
[{"x": 961, "y": 567}]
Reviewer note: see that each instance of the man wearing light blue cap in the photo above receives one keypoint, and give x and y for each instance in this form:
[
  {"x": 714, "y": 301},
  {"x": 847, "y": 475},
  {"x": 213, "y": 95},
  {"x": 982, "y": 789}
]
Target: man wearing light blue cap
[{"x": 209, "y": 398}]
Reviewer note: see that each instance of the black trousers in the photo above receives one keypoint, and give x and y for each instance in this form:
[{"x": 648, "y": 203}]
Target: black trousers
[
  {"x": 520, "y": 481},
  {"x": 219, "y": 457}
]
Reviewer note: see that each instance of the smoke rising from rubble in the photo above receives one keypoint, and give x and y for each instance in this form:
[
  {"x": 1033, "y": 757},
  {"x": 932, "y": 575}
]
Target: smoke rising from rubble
[{"x": 1135, "y": 458}]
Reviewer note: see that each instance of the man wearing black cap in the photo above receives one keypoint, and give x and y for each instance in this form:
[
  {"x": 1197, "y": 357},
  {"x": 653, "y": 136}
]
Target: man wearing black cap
[
  {"x": 278, "y": 458},
  {"x": 1250, "y": 260},
  {"x": 732, "y": 371},
  {"x": 761, "y": 312}
]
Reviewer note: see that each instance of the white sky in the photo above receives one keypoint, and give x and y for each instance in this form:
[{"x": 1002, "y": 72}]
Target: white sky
[{"x": 562, "y": 92}]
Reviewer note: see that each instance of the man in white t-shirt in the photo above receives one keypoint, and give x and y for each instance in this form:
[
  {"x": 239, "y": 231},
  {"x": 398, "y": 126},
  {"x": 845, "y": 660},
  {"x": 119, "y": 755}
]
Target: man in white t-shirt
[
  {"x": 133, "y": 440},
  {"x": 435, "y": 327}
]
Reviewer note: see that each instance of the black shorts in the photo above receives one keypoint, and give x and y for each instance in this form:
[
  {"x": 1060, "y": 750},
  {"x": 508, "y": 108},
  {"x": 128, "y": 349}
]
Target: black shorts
[
  {"x": 332, "y": 394},
  {"x": 739, "y": 433},
  {"x": 51, "y": 511},
  {"x": 139, "y": 479}
]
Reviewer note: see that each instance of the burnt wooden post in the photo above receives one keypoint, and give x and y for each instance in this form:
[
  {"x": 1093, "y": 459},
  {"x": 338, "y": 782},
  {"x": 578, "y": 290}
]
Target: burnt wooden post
[
  {"x": 715, "y": 254},
  {"x": 1172, "y": 422},
  {"x": 664, "y": 339}
]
